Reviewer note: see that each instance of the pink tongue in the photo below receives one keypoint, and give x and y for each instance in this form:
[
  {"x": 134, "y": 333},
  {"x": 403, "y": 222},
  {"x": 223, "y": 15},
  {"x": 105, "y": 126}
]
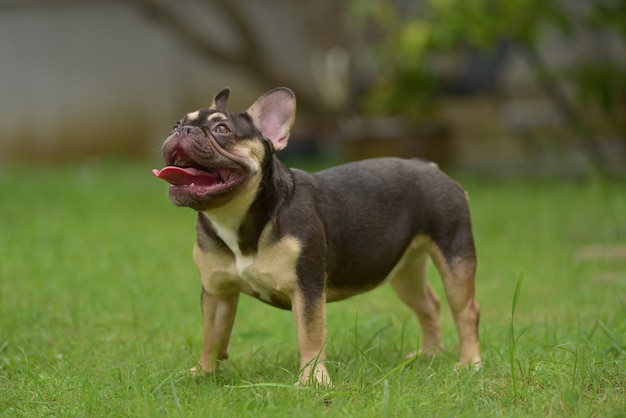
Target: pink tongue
[{"x": 184, "y": 176}]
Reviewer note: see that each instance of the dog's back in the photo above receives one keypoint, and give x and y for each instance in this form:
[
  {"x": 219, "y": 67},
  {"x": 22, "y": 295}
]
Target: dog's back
[{"x": 405, "y": 199}]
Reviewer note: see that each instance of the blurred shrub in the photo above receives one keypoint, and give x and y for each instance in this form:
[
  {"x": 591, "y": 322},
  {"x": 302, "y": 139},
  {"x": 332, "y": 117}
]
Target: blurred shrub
[{"x": 413, "y": 44}]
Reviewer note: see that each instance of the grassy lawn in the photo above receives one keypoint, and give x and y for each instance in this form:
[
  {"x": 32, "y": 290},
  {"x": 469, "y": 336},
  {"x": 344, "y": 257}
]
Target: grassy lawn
[{"x": 100, "y": 316}]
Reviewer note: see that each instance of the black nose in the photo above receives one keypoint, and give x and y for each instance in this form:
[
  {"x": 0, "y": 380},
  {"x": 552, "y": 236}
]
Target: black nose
[{"x": 186, "y": 129}]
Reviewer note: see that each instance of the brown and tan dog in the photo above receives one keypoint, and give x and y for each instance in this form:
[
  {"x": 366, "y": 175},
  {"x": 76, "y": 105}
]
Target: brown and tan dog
[{"x": 297, "y": 240}]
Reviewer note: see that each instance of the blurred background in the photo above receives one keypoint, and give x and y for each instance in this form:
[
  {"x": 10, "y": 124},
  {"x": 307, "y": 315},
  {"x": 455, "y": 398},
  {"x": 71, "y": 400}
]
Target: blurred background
[{"x": 517, "y": 86}]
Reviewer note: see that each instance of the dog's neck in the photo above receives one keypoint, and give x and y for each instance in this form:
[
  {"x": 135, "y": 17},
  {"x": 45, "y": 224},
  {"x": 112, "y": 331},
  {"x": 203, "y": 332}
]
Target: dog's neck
[{"x": 239, "y": 223}]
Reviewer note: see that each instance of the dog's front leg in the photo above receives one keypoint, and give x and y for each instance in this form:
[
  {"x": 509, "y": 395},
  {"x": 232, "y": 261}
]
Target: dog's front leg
[
  {"x": 218, "y": 314},
  {"x": 310, "y": 316}
]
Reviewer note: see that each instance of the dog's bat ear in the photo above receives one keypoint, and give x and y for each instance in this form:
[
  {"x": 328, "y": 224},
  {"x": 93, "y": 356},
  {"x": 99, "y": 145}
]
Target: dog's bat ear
[
  {"x": 220, "y": 99},
  {"x": 273, "y": 114}
]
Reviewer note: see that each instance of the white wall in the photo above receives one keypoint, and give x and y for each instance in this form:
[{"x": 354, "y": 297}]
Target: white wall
[{"x": 100, "y": 77}]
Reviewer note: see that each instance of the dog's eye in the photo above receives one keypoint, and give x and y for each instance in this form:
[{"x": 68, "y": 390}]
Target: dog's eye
[{"x": 221, "y": 128}]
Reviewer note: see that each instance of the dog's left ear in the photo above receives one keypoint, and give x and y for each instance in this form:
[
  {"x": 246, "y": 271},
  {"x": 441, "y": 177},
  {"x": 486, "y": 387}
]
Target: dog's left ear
[
  {"x": 220, "y": 99},
  {"x": 273, "y": 114}
]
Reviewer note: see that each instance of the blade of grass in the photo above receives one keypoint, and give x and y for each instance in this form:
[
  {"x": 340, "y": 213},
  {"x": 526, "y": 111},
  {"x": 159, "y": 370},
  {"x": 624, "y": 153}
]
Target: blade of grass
[
  {"x": 179, "y": 407},
  {"x": 512, "y": 344},
  {"x": 612, "y": 338}
]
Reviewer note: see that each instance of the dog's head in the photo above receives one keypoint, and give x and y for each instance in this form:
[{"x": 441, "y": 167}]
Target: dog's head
[{"x": 213, "y": 154}]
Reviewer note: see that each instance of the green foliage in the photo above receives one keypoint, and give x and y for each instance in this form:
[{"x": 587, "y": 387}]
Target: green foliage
[
  {"x": 603, "y": 82},
  {"x": 408, "y": 41},
  {"x": 99, "y": 311},
  {"x": 483, "y": 22},
  {"x": 609, "y": 15},
  {"x": 602, "y": 85}
]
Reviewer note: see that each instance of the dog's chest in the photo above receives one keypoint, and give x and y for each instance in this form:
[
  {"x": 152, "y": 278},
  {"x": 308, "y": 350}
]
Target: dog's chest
[{"x": 268, "y": 274}]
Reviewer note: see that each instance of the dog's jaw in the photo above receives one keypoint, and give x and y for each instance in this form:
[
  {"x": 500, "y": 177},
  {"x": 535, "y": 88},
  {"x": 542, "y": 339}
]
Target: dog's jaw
[
  {"x": 202, "y": 174},
  {"x": 199, "y": 188}
]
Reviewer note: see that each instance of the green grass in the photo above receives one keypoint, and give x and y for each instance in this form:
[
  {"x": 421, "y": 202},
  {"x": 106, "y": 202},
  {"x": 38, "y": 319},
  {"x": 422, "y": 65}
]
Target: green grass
[{"x": 100, "y": 316}]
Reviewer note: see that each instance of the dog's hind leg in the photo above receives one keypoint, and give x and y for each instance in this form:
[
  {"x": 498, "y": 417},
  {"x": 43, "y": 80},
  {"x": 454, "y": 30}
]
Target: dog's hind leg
[
  {"x": 411, "y": 285},
  {"x": 310, "y": 316},
  {"x": 456, "y": 261}
]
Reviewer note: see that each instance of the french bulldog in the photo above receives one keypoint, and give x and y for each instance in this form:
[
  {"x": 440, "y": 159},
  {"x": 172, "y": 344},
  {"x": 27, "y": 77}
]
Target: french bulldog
[{"x": 297, "y": 240}]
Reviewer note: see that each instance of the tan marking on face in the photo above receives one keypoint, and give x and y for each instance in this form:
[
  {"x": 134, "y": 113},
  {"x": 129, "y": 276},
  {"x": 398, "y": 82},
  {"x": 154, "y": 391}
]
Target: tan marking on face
[
  {"x": 193, "y": 115},
  {"x": 253, "y": 152},
  {"x": 216, "y": 116}
]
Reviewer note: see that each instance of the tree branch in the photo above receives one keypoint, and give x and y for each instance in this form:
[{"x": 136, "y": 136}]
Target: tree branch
[
  {"x": 553, "y": 90},
  {"x": 248, "y": 57}
]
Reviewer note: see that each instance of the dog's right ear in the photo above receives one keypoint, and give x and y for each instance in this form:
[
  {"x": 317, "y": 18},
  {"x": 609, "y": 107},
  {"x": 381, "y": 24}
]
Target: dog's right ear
[
  {"x": 273, "y": 114},
  {"x": 220, "y": 99}
]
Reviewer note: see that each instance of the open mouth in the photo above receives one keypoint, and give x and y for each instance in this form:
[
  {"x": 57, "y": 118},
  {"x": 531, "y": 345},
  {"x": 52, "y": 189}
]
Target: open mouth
[
  {"x": 200, "y": 181},
  {"x": 214, "y": 180},
  {"x": 200, "y": 176}
]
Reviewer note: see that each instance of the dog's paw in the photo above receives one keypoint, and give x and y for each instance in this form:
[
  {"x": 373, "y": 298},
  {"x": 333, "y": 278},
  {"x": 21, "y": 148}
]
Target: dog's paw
[
  {"x": 410, "y": 356},
  {"x": 474, "y": 364},
  {"x": 471, "y": 359},
  {"x": 319, "y": 377},
  {"x": 204, "y": 366},
  {"x": 425, "y": 351},
  {"x": 197, "y": 371}
]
